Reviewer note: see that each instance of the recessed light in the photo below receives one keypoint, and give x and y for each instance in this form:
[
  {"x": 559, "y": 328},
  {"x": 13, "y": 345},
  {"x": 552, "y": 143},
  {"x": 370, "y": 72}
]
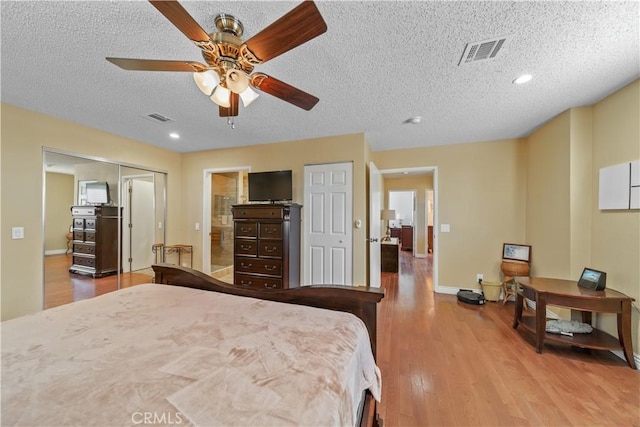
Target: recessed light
[
  {"x": 414, "y": 120},
  {"x": 523, "y": 79},
  {"x": 174, "y": 135}
]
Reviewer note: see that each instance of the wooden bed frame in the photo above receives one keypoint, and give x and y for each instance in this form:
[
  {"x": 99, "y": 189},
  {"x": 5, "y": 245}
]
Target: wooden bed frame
[{"x": 361, "y": 301}]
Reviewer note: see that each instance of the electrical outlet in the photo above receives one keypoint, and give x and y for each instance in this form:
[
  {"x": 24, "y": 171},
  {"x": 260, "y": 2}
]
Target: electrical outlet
[{"x": 479, "y": 277}]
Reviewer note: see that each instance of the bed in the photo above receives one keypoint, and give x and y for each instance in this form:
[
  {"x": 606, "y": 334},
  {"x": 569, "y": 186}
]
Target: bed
[{"x": 197, "y": 352}]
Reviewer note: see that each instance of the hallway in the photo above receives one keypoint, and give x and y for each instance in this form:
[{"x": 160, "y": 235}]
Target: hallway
[{"x": 448, "y": 363}]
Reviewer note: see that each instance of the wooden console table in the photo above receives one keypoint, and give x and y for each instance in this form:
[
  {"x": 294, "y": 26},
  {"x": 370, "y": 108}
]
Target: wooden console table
[{"x": 567, "y": 293}]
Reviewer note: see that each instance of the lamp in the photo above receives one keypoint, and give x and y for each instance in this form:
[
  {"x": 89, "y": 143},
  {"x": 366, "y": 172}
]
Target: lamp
[
  {"x": 236, "y": 81},
  {"x": 206, "y": 81},
  {"x": 248, "y": 96},
  {"x": 221, "y": 96},
  {"x": 387, "y": 215}
]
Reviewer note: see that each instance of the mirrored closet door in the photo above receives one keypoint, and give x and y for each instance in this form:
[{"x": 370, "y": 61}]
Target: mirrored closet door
[{"x": 101, "y": 222}]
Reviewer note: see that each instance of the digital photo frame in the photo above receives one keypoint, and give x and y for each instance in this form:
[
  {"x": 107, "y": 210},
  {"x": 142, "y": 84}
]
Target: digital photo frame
[{"x": 593, "y": 279}]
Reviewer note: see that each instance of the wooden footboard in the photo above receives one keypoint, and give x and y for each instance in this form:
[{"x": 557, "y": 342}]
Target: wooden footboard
[{"x": 360, "y": 301}]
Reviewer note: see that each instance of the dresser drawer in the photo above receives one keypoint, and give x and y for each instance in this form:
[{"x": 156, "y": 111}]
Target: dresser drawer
[
  {"x": 83, "y": 210},
  {"x": 246, "y": 229},
  {"x": 83, "y": 248},
  {"x": 271, "y": 267},
  {"x": 90, "y": 223},
  {"x": 89, "y": 236},
  {"x": 84, "y": 261},
  {"x": 268, "y": 230},
  {"x": 246, "y": 247},
  {"x": 270, "y": 249},
  {"x": 262, "y": 212},
  {"x": 256, "y": 282},
  {"x": 78, "y": 235},
  {"x": 78, "y": 223}
]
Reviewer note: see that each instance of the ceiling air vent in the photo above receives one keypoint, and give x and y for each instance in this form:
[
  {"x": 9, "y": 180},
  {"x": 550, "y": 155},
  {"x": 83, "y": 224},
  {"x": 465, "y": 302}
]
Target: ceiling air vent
[
  {"x": 482, "y": 50},
  {"x": 158, "y": 118}
]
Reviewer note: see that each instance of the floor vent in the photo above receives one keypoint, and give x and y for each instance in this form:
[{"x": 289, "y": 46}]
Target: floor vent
[
  {"x": 482, "y": 50},
  {"x": 158, "y": 118}
]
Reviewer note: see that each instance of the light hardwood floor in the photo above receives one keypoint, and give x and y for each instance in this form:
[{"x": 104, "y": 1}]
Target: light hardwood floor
[
  {"x": 446, "y": 363},
  {"x": 62, "y": 287}
]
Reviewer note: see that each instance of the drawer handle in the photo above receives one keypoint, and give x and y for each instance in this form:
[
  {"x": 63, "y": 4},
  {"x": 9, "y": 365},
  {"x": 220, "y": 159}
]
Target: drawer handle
[
  {"x": 268, "y": 286},
  {"x": 245, "y": 247},
  {"x": 270, "y": 267},
  {"x": 242, "y": 264},
  {"x": 245, "y": 229},
  {"x": 270, "y": 250},
  {"x": 246, "y": 283},
  {"x": 270, "y": 230}
]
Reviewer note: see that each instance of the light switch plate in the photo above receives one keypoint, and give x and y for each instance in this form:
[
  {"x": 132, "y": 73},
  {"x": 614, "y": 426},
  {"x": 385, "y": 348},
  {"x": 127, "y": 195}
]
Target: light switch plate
[
  {"x": 17, "y": 233},
  {"x": 445, "y": 228}
]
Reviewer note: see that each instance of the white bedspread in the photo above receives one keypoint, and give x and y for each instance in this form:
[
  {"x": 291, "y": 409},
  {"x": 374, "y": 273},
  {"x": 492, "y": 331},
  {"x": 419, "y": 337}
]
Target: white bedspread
[{"x": 165, "y": 355}]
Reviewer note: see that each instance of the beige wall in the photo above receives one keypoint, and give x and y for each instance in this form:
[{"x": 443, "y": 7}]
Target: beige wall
[
  {"x": 285, "y": 155},
  {"x": 58, "y": 201},
  {"x": 548, "y": 195},
  {"x": 481, "y": 194},
  {"x": 564, "y": 224},
  {"x": 24, "y": 134},
  {"x": 615, "y": 235}
]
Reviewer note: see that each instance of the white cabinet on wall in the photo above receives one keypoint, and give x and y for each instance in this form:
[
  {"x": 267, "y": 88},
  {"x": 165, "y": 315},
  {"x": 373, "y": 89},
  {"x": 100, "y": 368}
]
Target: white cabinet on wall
[{"x": 620, "y": 186}]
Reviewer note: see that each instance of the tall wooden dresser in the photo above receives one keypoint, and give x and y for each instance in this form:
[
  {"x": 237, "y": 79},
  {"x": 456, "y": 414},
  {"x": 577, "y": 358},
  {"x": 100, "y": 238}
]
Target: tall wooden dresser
[
  {"x": 95, "y": 240},
  {"x": 266, "y": 245}
]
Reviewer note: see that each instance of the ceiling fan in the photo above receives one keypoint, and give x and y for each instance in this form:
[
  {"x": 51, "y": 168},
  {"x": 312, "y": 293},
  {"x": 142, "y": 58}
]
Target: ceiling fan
[{"x": 227, "y": 75}]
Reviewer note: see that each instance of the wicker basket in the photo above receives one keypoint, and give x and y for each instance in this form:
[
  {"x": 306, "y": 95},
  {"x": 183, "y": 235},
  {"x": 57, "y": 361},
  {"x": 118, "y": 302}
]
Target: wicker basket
[
  {"x": 514, "y": 268},
  {"x": 491, "y": 290}
]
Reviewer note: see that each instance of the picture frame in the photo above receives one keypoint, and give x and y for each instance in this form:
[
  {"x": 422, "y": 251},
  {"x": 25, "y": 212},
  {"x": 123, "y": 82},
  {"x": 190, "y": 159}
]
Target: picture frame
[
  {"x": 516, "y": 252},
  {"x": 593, "y": 279}
]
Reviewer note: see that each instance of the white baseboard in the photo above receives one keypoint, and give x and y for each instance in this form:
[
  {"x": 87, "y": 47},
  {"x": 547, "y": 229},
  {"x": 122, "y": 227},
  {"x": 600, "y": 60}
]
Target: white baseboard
[
  {"x": 420, "y": 255},
  {"x": 55, "y": 252}
]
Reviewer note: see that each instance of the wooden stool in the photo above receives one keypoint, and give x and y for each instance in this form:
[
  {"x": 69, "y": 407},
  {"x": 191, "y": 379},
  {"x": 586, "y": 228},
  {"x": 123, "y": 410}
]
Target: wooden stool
[
  {"x": 511, "y": 269},
  {"x": 69, "y": 242},
  {"x": 158, "y": 251}
]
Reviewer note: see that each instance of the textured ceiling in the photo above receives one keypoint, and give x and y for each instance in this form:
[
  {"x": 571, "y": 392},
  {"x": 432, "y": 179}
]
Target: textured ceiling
[{"x": 378, "y": 64}]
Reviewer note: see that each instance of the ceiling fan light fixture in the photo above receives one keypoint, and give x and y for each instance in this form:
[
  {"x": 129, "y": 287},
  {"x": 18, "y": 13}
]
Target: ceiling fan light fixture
[
  {"x": 221, "y": 96},
  {"x": 206, "y": 81},
  {"x": 248, "y": 96},
  {"x": 237, "y": 81}
]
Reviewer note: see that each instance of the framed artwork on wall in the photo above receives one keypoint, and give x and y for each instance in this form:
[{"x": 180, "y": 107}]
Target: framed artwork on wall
[{"x": 516, "y": 252}]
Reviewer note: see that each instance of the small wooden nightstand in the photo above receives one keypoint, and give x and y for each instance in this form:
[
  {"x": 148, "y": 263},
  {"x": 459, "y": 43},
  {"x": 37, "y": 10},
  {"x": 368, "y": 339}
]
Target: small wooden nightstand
[{"x": 389, "y": 255}]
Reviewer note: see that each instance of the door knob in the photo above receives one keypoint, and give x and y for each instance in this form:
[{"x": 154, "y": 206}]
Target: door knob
[{"x": 373, "y": 239}]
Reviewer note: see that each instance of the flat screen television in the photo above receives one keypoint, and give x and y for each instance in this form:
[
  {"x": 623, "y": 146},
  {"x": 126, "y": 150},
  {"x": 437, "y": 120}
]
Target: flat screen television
[
  {"x": 98, "y": 193},
  {"x": 275, "y": 186}
]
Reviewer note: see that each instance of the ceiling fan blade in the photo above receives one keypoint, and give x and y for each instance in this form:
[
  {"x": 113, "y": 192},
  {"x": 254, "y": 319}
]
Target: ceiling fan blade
[
  {"x": 232, "y": 111},
  {"x": 300, "y": 25},
  {"x": 157, "y": 65},
  {"x": 283, "y": 91},
  {"x": 179, "y": 17}
]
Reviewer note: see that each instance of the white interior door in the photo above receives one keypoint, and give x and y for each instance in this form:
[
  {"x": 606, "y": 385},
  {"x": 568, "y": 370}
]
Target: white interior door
[
  {"x": 328, "y": 215},
  {"x": 375, "y": 206},
  {"x": 139, "y": 221}
]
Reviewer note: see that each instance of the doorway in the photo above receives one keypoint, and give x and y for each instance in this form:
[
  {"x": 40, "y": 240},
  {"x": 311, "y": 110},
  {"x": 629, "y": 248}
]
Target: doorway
[
  {"x": 138, "y": 222},
  {"x": 422, "y": 181},
  {"x": 222, "y": 188}
]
